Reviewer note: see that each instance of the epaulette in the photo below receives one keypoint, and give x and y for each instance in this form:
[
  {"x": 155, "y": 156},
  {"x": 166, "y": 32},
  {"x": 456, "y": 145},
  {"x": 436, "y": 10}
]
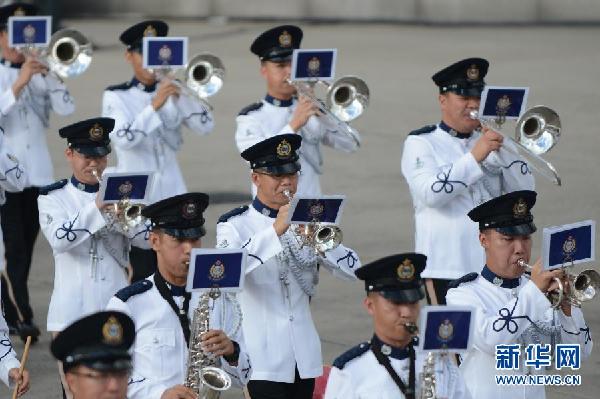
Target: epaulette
[
  {"x": 353, "y": 353},
  {"x": 424, "y": 129},
  {"x": 464, "y": 279},
  {"x": 134, "y": 289},
  {"x": 234, "y": 212},
  {"x": 250, "y": 108},
  {"x": 54, "y": 186},
  {"x": 122, "y": 86}
]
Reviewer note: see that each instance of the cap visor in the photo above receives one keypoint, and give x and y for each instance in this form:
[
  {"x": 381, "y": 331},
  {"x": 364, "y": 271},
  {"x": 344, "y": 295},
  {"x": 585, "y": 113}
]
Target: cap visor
[
  {"x": 468, "y": 92},
  {"x": 285, "y": 169},
  {"x": 519, "y": 230},
  {"x": 109, "y": 365},
  {"x": 403, "y": 296},
  {"x": 93, "y": 151},
  {"x": 193, "y": 232},
  {"x": 278, "y": 55}
]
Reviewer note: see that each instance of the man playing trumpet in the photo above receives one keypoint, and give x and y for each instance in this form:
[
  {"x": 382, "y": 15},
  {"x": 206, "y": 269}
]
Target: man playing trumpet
[{"x": 512, "y": 308}]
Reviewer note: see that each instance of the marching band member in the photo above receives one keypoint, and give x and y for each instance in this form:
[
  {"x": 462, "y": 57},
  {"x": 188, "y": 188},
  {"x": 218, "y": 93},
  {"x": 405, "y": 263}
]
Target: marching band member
[
  {"x": 27, "y": 95},
  {"x": 450, "y": 168},
  {"x": 389, "y": 365},
  {"x": 148, "y": 119},
  {"x": 161, "y": 308},
  {"x": 94, "y": 353},
  {"x": 511, "y": 308},
  {"x": 280, "y": 275},
  {"x": 281, "y": 112}
]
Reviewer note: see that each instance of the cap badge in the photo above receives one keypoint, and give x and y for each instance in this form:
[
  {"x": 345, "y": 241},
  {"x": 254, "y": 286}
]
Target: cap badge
[
  {"x": 314, "y": 66},
  {"x": 284, "y": 149},
  {"x": 473, "y": 73},
  {"x": 285, "y": 39},
  {"x": 165, "y": 53},
  {"x": 112, "y": 331},
  {"x": 19, "y": 12},
  {"x": 316, "y": 210},
  {"x": 217, "y": 271},
  {"x": 569, "y": 246},
  {"x": 189, "y": 210},
  {"x": 149, "y": 31},
  {"x": 29, "y": 33},
  {"x": 446, "y": 331},
  {"x": 96, "y": 132},
  {"x": 125, "y": 188},
  {"x": 520, "y": 208},
  {"x": 406, "y": 270}
]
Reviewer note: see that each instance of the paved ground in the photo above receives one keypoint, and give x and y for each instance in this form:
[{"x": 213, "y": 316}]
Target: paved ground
[{"x": 559, "y": 64}]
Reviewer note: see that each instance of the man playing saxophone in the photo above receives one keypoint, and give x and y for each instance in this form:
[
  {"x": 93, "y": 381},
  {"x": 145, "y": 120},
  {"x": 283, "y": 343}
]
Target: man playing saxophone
[
  {"x": 162, "y": 309},
  {"x": 389, "y": 366}
]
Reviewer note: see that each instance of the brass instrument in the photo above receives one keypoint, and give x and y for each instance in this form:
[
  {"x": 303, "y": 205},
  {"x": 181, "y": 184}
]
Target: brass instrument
[
  {"x": 126, "y": 214},
  {"x": 536, "y": 132},
  {"x": 583, "y": 287},
  {"x": 203, "y": 374},
  {"x": 427, "y": 378},
  {"x": 345, "y": 100},
  {"x": 412, "y": 328},
  {"x": 316, "y": 235}
]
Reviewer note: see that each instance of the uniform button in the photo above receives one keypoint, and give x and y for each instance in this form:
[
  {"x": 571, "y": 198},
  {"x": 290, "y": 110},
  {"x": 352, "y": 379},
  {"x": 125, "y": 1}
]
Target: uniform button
[
  {"x": 291, "y": 318},
  {"x": 155, "y": 340}
]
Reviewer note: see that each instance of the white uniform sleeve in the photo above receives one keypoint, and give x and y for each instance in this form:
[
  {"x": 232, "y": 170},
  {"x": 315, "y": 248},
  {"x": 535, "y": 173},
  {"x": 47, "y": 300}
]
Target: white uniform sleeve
[
  {"x": 241, "y": 372},
  {"x": 12, "y": 175},
  {"x": 140, "y": 235},
  {"x": 261, "y": 247},
  {"x": 339, "y": 385},
  {"x": 130, "y": 130},
  {"x": 196, "y": 115},
  {"x": 504, "y": 325},
  {"x": 516, "y": 172},
  {"x": 65, "y": 231},
  {"x": 341, "y": 262},
  {"x": 61, "y": 100},
  {"x": 8, "y": 357},
  {"x": 340, "y": 136},
  {"x": 431, "y": 184},
  {"x": 249, "y": 131},
  {"x": 576, "y": 331},
  {"x": 7, "y": 100}
]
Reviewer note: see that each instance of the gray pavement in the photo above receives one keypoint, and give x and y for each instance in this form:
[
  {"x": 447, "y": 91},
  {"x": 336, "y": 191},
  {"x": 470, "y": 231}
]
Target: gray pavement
[{"x": 559, "y": 64}]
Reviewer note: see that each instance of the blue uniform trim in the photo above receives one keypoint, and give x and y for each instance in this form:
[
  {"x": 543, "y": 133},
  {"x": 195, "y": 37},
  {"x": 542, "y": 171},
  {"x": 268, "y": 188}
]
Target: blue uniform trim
[
  {"x": 353, "y": 353},
  {"x": 464, "y": 279},
  {"x": 134, "y": 289},
  {"x": 54, "y": 186},
  {"x": 250, "y": 108},
  {"x": 234, "y": 212},
  {"x": 422, "y": 130}
]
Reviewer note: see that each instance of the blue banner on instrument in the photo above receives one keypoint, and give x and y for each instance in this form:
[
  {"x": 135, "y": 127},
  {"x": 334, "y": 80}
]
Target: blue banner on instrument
[
  {"x": 119, "y": 186},
  {"x": 29, "y": 31},
  {"x": 505, "y": 102},
  {"x": 569, "y": 244},
  {"x": 323, "y": 209},
  {"x": 212, "y": 268},
  {"x": 313, "y": 64},
  {"x": 164, "y": 52},
  {"x": 446, "y": 328}
]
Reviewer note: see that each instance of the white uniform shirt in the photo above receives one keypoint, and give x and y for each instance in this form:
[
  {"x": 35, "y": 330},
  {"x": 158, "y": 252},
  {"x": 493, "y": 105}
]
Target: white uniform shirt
[
  {"x": 262, "y": 120},
  {"x": 8, "y": 357},
  {"x": 446, "y": 182},
  {"x": 359, "y": 375},
  {"x": 24, "y": 120},
  {"x": 73, "y": 225},
  {"x": 146, "y": 140},
  {"x": 278, "y": 324},
  {"x": 12, "y": 179},
  {"x": 160, "y": 352},
  {"x": 504, "y": 316}
]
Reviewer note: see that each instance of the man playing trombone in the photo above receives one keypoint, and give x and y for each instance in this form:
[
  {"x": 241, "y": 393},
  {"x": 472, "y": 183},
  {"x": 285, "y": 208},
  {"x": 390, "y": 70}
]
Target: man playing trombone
[
  {"x": 148, "y": 118},
  {"x": 281, "y": 275},
  {"x": 512, "y": 308},
  {"x": 281, "y": 112},
  {"x": 452, "y": 167},
  {"x": 28, "y": 92}
]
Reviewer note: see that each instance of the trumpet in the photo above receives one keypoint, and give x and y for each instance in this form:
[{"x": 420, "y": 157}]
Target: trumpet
[
  {"x": 582, "y": 287},
  {"x": 346, "y": 99},
  {"x": 126, "y": 214},
  {"x": 316, "y": 235},
  {"x": 537, "y": 132}
]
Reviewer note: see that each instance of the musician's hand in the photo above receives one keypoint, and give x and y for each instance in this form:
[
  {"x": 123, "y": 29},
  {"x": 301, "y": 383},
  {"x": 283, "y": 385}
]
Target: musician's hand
[
  {"x": 217, "y": 343},
  {"x": 544, "y": 279},
  {"x": 22, "y": 380},
  {"x": 565, "y": 305},
  {"x": 281, "y": 224},
  {"x": 166, "y": 88},
  {"x": 178, "y": 392},
  {"x": 30, "y": 67},
  {"x": 488, "y": 142},
  {"x": 304, "y": 110}
]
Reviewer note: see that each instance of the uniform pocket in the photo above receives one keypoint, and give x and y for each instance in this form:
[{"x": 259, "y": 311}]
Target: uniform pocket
[{"x": 157, "y": 344}]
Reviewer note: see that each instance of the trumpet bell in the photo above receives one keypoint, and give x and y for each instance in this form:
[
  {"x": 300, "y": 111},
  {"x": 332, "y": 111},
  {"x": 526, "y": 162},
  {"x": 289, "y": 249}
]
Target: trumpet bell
[
  {"x": 69, "y": 53},
  {"x": 538, "y": 129},
  {"x": 327, "y": 237},
  {"x": 347, "y": 98},
  {"x": 585, "y": 286},
  {"x": 205, "y": 74}
]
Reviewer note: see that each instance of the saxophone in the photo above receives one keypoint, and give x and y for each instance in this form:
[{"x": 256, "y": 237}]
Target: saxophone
[
  {"x": 427, "y": 379},
  {"x": 203, "y": 375}
]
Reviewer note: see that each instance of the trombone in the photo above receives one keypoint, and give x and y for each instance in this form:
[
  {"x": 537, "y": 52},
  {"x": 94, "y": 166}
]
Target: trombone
[
  {"x": 345, "y": 100},
  {"x": 537, "y": 132}
]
